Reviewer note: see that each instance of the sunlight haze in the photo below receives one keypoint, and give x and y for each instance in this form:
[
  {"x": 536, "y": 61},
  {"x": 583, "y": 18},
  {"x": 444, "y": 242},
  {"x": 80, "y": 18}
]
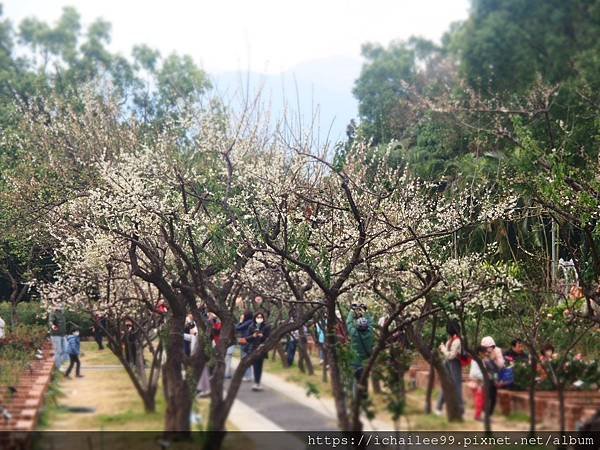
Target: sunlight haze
[{"x": 261, "y": 35}]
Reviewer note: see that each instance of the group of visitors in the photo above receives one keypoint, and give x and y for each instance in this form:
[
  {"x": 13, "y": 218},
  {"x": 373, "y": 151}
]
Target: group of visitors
[
  {"x": 66, "y": 345},
  {"x": 251, "y": 331},
  {"x": 498, "y": 365}
]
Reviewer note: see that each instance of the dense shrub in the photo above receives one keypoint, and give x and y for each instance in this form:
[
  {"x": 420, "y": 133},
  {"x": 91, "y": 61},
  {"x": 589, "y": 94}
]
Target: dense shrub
[
  {"x": 17, "y": 349},
  {"x": 576, "y": 373},
  {"x": 31, "y": 313}
]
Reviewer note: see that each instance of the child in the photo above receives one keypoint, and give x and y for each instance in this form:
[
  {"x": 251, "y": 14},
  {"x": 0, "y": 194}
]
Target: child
[
  {"x": 73, "y": 350},
  {"x": 476, "y": 383}
]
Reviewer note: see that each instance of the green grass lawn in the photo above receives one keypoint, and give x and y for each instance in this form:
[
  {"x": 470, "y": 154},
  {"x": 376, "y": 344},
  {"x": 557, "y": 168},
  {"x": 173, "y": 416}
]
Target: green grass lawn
[{"x": 117, "y": 406}]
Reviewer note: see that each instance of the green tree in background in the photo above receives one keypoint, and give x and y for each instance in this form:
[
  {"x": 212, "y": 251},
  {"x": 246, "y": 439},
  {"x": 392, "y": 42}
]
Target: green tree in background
[{"x": 67, "y": 60}]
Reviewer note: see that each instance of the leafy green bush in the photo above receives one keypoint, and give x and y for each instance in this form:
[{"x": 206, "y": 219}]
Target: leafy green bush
[
  {"x": 17, "y": 349},
  {"x": 32, "y": 313},
  {"x": 575, "y": 373},
  {"x": 29, "y": 313}
]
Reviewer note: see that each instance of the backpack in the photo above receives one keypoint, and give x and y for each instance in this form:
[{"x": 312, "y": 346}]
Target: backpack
[
  {"x": 506, "y": 376},
  {"x": 362, "y": 324}
]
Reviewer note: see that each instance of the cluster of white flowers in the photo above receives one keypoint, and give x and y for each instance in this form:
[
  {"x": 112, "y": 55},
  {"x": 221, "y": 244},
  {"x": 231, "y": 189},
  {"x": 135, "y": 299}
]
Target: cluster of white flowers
[{"x": 239, "y": 189}]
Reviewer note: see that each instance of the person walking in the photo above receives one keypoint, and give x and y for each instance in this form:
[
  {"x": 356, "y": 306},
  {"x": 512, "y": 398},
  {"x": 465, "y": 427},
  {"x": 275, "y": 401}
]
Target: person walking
[
  {"x": 258, "y": 332},
  {"x": 74, "y": 350},
  {"x": 451, "y": 351},
  {"x": 360, "y": 330},
  {"x": 494, "y": 364},
  {"x": 242, "y": 330},
  {"x": 58, "y": 332}
]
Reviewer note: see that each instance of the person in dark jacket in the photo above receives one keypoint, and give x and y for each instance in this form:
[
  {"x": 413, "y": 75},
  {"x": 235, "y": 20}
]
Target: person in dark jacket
[
  {"x": 74, "y": 350},
  {"x": 360, "y": 329},
  {"x": 242, "y": 331},
  {"x": 516, "y": 352},
  {"x": 258, "y": 332},
  {"x": 99, "y": 327}
]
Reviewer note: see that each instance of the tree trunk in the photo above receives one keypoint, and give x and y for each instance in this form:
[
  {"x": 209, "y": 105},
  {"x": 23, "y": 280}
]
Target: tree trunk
[
  {"x": 282, "y": 354},
  {"x": 301, "y": 363},
  {"x": 149, "y": 400},
  {"x": 532, "y": 390},
  {"x": 561, "y": 407},
  {"x": 487, "y": 421},
  {"x": 429, "y": 391},
  {"x": 144, "y": 386},
  {"x": 178, "y": 395},
  {"x": 453, "y": 409},
  {"x": 337, "y": 385},
  {"x": 431, "y": 377},
  {"x": 304, "y": 357},
  {"x": 16, "y": 296},
  {"x": 397, "y": 385},
  {"x": 213, "y": 440},
  {"x": 376, "y": 382}
]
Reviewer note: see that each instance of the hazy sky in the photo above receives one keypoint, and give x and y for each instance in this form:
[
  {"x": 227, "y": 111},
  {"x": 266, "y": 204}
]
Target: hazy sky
[{"x": 262, "y": 35}]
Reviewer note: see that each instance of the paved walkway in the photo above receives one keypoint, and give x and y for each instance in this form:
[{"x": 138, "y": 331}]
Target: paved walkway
[
  {"x": 276, "y": 406},
  {"x": 287, "y": 407}
]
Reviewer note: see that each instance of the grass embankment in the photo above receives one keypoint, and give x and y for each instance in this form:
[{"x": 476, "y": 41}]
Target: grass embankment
[{"x": 105, "y": 400}]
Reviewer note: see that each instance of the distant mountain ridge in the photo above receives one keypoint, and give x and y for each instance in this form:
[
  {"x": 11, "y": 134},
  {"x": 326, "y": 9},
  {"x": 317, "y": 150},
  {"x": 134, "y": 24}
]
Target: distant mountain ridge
[{"x": 323, "y": 85}]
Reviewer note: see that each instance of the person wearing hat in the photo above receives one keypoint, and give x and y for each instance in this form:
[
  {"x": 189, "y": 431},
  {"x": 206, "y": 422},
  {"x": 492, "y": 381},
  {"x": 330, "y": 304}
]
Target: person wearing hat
[
  {"x": 360, "y": 331},
  {"x": 494, "y": 364}
]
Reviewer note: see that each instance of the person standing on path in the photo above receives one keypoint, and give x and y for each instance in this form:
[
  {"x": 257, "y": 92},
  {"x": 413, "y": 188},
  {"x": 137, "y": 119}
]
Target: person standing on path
[
  {"x": 451, "y": 352},
  {"x": 360, "y": 329},
  {"x": 74, "y": 350},
  {"x": 58, "y": 331},
  {"x": 258, "y": 332},
  {"x": 242, "y": 331}
]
